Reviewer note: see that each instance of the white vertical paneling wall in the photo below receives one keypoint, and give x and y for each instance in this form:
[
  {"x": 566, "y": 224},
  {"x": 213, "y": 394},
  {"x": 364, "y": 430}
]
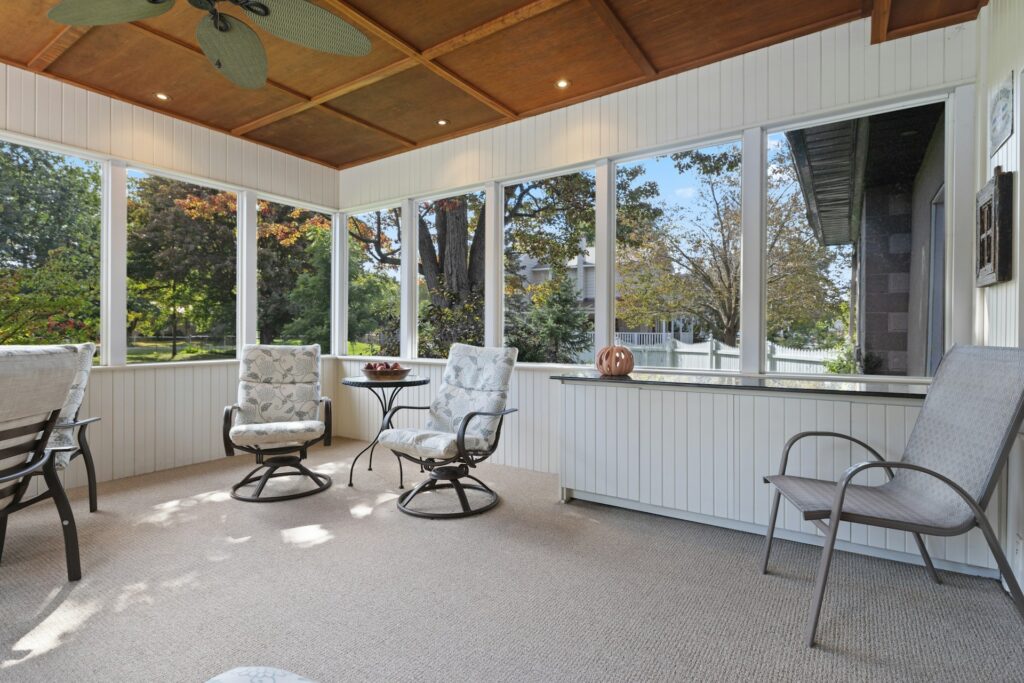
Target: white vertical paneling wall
[
  {"x": 529, "y": 438},
  {"x": 702, "y": 455},
  {"x": 35, "y": 107},
  {"x": 812, "y": 76},
  {"x": 1000, "y": 315}
]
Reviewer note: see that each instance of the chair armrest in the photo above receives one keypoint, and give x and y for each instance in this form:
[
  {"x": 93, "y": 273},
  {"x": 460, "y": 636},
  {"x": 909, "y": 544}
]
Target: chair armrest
[
  {"x": 34, "y": 467},
  {"x": 837, "y": 435},
  {"x": 327, "y": 419},
  {"x": 460, "y": 438},
  {"x": 854, "y": 470},
  {"x": 229, "y": 414},
  {"x": 78, "y": 423},
  {"x": 386, "y": 422}
]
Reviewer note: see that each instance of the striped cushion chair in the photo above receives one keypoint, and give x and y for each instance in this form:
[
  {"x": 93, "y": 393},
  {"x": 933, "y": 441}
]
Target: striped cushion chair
[
  {"x": 945, "y": 479},
  {"x": 35, "y": 383},
  {"x": 278, "y": 417}
]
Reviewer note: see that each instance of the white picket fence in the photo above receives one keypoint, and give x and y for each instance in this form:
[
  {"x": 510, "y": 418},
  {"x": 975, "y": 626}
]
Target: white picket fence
[{"x": 663, "y": 351}]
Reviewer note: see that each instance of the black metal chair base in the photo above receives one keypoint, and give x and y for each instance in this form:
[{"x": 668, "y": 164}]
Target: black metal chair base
[
  {"x": 448, "y": 477},
  {"x": 322, "y": 481}
]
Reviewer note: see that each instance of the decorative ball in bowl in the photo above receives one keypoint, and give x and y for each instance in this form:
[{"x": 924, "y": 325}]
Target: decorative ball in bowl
[{"x": 383, "y": 372}]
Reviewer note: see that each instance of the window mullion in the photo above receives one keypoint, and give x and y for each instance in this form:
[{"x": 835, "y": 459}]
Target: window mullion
[
  {"x": 753, "y": 187},
  {"x": 409, "y": 229},
  {"x": 247, "y": 290},
  {"x": 114, "y": 264},
  {"x": 339, "y": 284},
  {"x": 604, "y": 251},
  {"x": 494, "y": 266}
]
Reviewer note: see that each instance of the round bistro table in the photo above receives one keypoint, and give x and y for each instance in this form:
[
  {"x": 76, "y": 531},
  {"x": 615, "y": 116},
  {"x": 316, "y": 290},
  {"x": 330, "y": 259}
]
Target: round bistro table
[{"x": 385, "y": 391}]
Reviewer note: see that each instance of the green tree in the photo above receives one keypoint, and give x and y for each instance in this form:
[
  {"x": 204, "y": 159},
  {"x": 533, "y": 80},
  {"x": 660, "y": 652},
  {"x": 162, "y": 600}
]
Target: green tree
[
  {"x": 49, "y": 247},
  {"x": 181, "y": 246},
  {"x": 686, "y": 260},
  {"x": 562, "y": 327}
]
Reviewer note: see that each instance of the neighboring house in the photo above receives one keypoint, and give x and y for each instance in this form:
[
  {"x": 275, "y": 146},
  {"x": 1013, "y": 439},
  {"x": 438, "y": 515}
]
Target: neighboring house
[
  {"x": 582, "y": 271},
  {"x": 876, "y": 184}
]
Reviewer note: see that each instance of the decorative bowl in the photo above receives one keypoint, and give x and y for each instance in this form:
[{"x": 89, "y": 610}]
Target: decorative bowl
[{"x": 385, "y": 375}]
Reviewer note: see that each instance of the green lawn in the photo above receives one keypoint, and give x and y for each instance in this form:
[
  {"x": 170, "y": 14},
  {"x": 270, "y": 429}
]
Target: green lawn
[
  {"x": 356, "y": 348},
  {"x": 160, "y": 352}
]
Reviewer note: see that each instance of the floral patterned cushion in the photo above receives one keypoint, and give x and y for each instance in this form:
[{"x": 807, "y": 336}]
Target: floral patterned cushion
[
  {"x": 422, "y": 443},
  {"x": 278, "y": 384},
  {"x": 276, "y": 433},
  {"x": 76, "y": 394},
  {"x": 258, "y": 674},
  {"x": 475, "y": 379}
]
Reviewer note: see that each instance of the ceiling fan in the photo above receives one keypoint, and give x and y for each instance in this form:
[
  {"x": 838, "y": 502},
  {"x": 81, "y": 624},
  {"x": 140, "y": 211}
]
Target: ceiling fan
[{"x": 233, "y": 48}]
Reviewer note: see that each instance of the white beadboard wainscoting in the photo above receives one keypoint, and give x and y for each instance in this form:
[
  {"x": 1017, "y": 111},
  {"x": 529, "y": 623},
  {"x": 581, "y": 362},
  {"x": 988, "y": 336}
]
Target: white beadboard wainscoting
[
  {"x": 701, "y": 455},
  {"x": 530, "y": 438},
  {"x": 160, "y": 416},
  {"x": 38, "y": 109}
]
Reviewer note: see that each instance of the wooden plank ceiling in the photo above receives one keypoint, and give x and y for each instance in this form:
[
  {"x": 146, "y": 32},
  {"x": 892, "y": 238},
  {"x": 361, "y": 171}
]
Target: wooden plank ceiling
[{"x": 472, "y": 63}]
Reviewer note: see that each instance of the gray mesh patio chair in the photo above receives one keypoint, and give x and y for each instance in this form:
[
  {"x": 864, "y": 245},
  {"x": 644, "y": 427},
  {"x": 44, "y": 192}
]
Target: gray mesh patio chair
[{"x": 945, "y": 479}]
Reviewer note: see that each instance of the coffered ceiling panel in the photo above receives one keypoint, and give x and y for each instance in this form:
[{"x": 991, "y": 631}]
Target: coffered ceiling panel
[
  {"x": 319, "y": 134},
  {"x": 473, "y": 63},
  {"x": 703, "y": 29},
  {"x": 128, "y": 61},
  {"x": 519, "y": 66},
  {"x": 387, "y": 104},
  {"x": 425, "y": 24}
]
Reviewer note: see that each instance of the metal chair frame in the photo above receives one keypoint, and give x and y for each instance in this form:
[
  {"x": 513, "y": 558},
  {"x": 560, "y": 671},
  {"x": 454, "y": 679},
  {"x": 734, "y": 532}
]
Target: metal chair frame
[
  {"x": 831, "y": 528},
  {"x": 40, "y": 462},
  {"x": 273, "y": 459},
  {"x": 447, "y": 473}
]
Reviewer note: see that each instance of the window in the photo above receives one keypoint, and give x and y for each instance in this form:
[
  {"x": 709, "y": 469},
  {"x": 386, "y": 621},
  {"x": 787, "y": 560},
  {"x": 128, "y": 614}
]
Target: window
[
  {"x": 451, "y": 268},
  {"x": 49, "y": 247},
  {"x": 678, "y": 258},
  {"x": 181, "y": 271},
  {"x": 855, "y": 245},
  {"x": 293, "y": 275},
  {"x": 374, "y": 294},
  {"x": 550, "y": 268}
]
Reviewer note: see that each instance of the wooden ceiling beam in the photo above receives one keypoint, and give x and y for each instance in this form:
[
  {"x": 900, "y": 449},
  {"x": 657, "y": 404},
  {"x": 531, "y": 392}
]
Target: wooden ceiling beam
[
  {"x": 489, "y": 28},
  {"x": 516, "y": 16},
  {"x": 364, "y": 22},
  {"x": 60, "y": 44},
  {"x": 880, "y": 21},
  {"x": 623, "y": 36},
  {"x": 369, "y": 79}
]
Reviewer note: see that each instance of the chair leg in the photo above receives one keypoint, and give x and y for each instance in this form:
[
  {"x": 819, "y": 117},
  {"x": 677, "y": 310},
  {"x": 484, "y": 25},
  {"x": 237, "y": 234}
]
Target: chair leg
[
  {"x": 90, "y": 469},
  {"x": 67, "y": 519},
  {"x": 819, "y": 586},
  {"x": 3, "y": 535},
  {"x": 1004, "y": 566},
  {"x": 263, "y": 481},
  {"x": 771, "y": 532},
  {"x": 927, "y": 559},
  {"x": 461, "y": 493}
]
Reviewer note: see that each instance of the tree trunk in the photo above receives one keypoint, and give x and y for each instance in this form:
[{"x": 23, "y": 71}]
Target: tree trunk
[
  {"x": 454, "y": 217},
  {"x": 477, "y": 252},
  {"x": 429, "y": 267}
]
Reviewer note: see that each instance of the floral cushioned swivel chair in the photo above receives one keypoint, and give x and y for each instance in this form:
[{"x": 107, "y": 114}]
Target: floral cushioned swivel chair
[
  {"x": 278, "y": 417},
  {"x": 463, "y": 428}
]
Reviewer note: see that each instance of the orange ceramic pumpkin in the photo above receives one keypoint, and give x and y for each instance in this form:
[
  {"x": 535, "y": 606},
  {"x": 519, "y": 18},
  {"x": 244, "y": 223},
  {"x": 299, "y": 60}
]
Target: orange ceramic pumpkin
[{"x": 614, "y": 361}]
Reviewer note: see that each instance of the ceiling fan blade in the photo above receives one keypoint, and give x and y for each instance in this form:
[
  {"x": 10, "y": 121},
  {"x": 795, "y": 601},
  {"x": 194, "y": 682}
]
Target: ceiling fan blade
[
  {"x": 306, "y": 24},
  {"x": 237, "y": 52},
  {"x": 101, "y": 12}
]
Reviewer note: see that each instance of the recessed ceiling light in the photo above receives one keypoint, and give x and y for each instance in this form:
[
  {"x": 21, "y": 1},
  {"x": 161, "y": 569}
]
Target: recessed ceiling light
[
  {"x": 562, "y": 83},
  {"x": 162, "y": 96},
  {"x": 442, "y": 122}
]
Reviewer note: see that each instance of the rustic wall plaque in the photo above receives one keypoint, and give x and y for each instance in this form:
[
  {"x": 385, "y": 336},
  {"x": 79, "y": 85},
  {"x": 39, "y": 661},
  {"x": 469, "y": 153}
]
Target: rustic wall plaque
[{"x": 994, "y": 225}]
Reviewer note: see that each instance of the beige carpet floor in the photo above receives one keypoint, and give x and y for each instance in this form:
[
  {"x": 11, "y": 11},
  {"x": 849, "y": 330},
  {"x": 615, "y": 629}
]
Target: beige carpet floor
[{"x": 181, "y": 583}]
